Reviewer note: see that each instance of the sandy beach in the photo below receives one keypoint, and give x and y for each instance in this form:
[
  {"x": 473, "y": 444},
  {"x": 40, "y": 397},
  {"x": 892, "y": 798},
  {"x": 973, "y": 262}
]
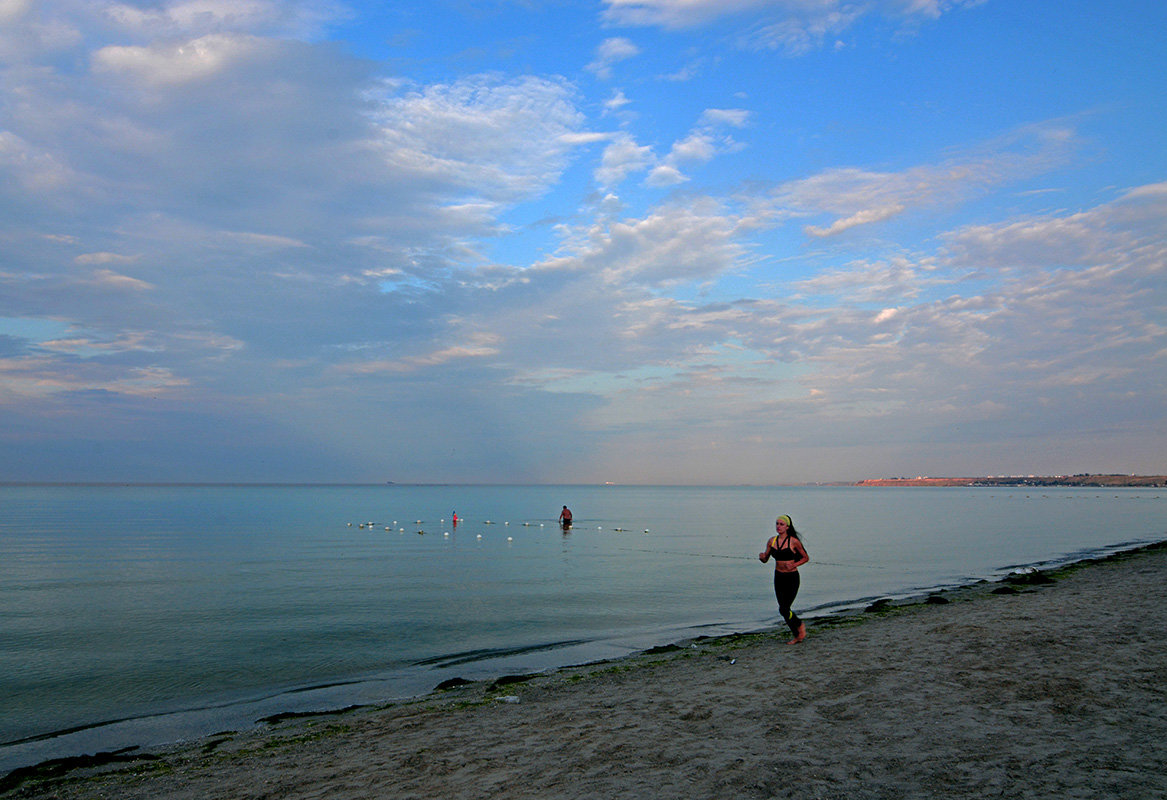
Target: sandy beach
[{"x": 1048, "y": 689}]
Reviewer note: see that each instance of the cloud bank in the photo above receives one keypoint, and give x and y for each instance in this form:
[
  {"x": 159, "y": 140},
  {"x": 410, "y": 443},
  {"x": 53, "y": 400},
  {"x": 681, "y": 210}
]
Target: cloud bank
[{"x": 234, "y": 250}]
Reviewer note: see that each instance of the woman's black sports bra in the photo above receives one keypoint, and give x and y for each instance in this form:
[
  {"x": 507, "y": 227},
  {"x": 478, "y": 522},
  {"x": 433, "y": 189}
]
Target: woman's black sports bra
[{"x": 783, "y": 554}]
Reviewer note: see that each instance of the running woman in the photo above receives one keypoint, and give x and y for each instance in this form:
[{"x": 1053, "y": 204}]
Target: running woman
[{"x": 789, "y": 555}]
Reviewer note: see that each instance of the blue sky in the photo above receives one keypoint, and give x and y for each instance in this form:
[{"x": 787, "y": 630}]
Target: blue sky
[{"x": 639, "y": 241}]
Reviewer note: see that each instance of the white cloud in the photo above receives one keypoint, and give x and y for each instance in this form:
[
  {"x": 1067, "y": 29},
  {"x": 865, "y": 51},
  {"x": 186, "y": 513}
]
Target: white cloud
[
  {"x": 1126, "y": 228},
  {"x": 616, "y": 102},
  {"x": 733, "y": 117},
  {"x": 806, "y": 29},
  {"x": 104, "y": 258},
  {"x": 698, "y": 146},
  {"x": 865, "y": 217},
  {"x": 262, "y": 240},
  {"x": 32, "y": 168},
  {"x": 702, "y": 145},
  {"x": 665, "y": 175},
  {"x": 621, "y": 158},
  {"x": 611, "y": 52},
  {"x": 41, "y": 378},
  {"x": 677, "y": 243},
  {"x": 499, "y": 140},
  {"x": 793, "y": 26},
  {"x": 193, "y": 18},
  {"x": 13, "y": 10},
  {"x": 30, "y": 31},
  {"x": 676, "y": 13},
  {"x": 478, "y": 346},
  {"x": 897, "y": 278},
  {"x": 169, "y": 65},
  {"x": 857, "y": 197},
  {"x": 202, "y": 16},
  {"x": 1155, "y": 191},
  {"x": 932, "y": 9}
]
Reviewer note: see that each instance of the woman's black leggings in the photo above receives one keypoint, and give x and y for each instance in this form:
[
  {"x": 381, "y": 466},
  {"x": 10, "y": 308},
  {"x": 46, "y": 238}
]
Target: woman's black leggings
[{"x": 786, "y": 589}]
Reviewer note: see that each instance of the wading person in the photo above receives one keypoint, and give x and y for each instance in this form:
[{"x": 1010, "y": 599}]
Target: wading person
[{"x": 789, "y": 554}]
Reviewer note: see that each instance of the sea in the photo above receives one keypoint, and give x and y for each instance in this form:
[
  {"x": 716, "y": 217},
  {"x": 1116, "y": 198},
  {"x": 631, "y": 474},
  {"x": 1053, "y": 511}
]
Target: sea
[{"x": 135, "y": 615}]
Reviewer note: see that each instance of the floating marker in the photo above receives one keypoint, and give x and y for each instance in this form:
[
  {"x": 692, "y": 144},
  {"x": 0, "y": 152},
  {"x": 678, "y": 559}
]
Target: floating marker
[
  {"x": 510, "y": 538},
  {"x": 480, "y": 536}
]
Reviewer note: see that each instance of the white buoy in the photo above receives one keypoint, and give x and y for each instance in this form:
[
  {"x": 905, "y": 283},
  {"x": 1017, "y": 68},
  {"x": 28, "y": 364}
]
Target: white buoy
[
  {"x": 446, "y": 534},
  {"x": 510, "y": 538},
  {"x": 480, "y": 536}
]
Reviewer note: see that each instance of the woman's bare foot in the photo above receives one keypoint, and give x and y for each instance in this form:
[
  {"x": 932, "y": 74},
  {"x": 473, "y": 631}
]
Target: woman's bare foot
[{"x": 798, "y": 637}]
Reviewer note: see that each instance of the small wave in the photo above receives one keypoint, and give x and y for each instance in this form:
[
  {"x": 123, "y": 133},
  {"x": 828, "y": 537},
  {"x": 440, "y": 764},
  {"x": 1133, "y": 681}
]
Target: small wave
[{"x": 485, "y": 654}]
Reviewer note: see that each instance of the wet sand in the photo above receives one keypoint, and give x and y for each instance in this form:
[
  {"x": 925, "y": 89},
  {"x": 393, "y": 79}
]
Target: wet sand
[{"x": 1031, "y": 690}]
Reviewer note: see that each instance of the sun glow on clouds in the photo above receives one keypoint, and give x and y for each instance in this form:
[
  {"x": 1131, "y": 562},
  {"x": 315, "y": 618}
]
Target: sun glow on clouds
[{"x": 479, "y": 345}]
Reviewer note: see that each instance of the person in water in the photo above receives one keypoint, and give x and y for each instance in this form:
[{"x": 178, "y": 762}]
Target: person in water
[
  {"x": 565, "y": 517},
  {"x": 789, "y": 555}
]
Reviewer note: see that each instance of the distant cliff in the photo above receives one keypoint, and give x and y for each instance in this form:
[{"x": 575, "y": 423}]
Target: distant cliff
[{"x": 1025, "y": 480}]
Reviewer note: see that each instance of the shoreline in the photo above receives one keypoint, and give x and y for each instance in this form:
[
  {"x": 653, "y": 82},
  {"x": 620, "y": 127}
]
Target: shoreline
[
  {"x": 844, "y": 696},
  {"x": 152, "y": 731}
]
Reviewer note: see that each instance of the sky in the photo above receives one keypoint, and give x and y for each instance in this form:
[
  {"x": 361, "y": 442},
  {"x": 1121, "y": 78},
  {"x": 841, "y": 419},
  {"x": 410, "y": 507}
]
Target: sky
[{"x": 578, "y": 241}]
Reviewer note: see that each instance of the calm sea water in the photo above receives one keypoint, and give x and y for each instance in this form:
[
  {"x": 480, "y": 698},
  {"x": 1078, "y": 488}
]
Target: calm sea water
[{"x": 138, "y": 614}]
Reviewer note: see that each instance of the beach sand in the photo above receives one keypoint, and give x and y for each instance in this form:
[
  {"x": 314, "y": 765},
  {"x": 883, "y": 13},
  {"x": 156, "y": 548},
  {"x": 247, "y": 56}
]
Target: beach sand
[{"x": 1058, "y": 690}]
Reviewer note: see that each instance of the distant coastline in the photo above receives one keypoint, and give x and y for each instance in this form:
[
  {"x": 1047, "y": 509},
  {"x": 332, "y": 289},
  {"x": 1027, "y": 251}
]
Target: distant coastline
[
  {"x": 1026, "y": 480},
  {"x": 1083, "y": 480}
]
